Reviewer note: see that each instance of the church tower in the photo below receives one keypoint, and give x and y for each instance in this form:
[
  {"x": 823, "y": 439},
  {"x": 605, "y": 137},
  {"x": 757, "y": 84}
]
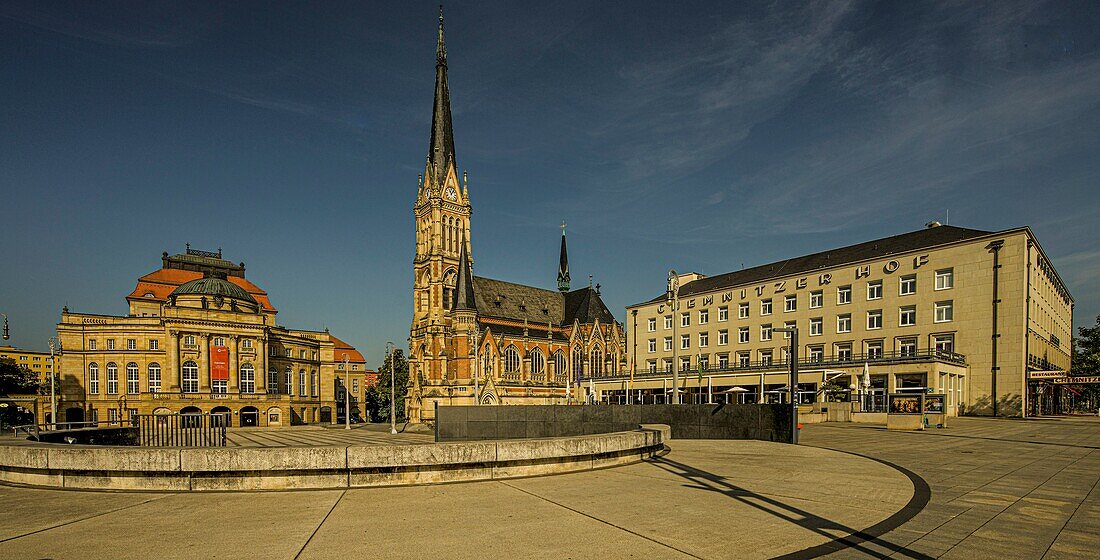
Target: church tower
[{"x": 442, "y": 212}]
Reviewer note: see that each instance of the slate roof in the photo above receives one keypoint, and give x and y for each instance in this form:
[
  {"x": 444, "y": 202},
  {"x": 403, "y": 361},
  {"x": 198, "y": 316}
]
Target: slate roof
[
  {"x": 213, "y": 286},
  {"x": 586, "y": 305},
  {"x": 534, "y": 332},
  {"x": 441, "y": 148},
  {"x": 911, "y": 241},
  {"x": 506, "y": 300},
  {"x": 496, "y": 298}
]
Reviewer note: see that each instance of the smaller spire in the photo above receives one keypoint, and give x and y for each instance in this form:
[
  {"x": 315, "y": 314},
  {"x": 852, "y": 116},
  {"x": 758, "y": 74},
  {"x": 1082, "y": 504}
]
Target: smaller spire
[
  {"x": 563, "y": 264},
  {"x": 464, "y": 286}
]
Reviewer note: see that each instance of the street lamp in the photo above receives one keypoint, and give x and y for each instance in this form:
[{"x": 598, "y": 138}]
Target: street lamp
[
  {"x": 54, "y": 341},
  {"x": 347, "y": 395},
  {"x": 792, "y": 357},
  {"x": 672, "y": 297},
  {"x": 391, "y": 349}
]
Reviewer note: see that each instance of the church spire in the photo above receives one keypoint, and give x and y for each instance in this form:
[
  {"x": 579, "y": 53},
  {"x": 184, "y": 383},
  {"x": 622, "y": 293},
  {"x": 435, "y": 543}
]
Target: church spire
[
  {"x": 464, "y": 285},
  {"x": 441, "y": 151},
  {"x": 563, "y": 264}
]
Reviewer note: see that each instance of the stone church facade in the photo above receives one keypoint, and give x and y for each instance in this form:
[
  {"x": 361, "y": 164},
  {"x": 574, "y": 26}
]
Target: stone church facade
[{"x": 479, "y": 340}]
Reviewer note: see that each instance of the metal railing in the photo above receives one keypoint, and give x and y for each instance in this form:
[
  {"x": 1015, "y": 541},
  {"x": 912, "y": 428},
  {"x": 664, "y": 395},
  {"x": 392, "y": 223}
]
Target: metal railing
[{"x": 182, "y": 430}]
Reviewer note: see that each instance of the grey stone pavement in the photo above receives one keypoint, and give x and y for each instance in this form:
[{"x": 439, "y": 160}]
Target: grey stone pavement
[{"x": 982, "y": 488}]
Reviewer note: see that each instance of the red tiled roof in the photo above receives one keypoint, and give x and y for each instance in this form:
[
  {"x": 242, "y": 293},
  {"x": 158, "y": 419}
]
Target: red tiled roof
[
  {"x": 161, "y": 282},
  {"x": 340, "y": 348}
]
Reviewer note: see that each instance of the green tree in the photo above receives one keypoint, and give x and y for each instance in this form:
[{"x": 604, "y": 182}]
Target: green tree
[
  {"x": 17, "y": 380},
  {"x": 1086, "y": 350},
  {"x": 401, "y": 378}
]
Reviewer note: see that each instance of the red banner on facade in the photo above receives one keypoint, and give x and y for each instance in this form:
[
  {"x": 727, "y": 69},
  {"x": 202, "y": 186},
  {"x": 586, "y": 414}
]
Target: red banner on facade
[{"x": 219, "y": 363}]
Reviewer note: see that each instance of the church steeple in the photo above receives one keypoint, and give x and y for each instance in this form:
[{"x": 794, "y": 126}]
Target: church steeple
[
  {"x": 563, "y": 264},
  {"x": 464, "y": 285},
  {"x": 441, "y": 151}
]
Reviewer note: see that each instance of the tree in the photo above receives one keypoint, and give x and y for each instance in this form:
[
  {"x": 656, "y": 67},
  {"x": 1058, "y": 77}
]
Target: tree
[
  {"x": 1086, "y": 350},
  {"x": 381, "y": 398},
  {"x": 17, "y": 380}
]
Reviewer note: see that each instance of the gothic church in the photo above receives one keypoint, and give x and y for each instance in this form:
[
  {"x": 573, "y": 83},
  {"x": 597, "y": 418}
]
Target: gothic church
[{"x": 478, "y": 340}]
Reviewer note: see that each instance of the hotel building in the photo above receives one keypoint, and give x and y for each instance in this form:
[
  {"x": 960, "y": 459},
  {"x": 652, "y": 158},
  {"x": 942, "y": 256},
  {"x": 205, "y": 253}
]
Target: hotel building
[{"x": 971, "y": 314}]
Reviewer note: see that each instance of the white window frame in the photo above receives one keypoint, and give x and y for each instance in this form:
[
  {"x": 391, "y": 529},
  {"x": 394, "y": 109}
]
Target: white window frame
[
  {"x": 766, "y": 332},
  {"x": 904, "y": 311},
  {"x": 945, "y": 279},
  {"x": 790, "y": 303},
  {"x": 817, "y": 297},
  {"x": 668, "y": 344},
  {"x": 874, "y": 290},
  {"x": 704, "y": 339},
  {"x": 844, "y": 323},
  {"x": 189, "y": 377},
  {"x": 904, "y": 344},
  {"x": 154, "y": 377},
  {"x": 704, "y": 316},
  {"x": 944, "y": 311},
  {"x": 685, "y": 319},
  {"x": 652, "y": 345},
  {"x": 133, "y": 378},
  {"x": 907, "y": 280},
  {"x": 131, "y": 344},
  {"x": 652, "y": 324},
  {"x": 743, "y": 310},
  {"x": 788, "y": 325},
  {"x": 685, "y": 342},
  {"x": 817, "y": 326},
  {"x": 723, "y": 313},
  {"x": 723, "y": 337},
  {"x": 844, "y": 295},
  {"x": 154, "y": 344},
  {"x": 668, "y": 322},
  {"x": 765, "y": 307},
  {"x": 743, "y": 335},
  {"x": 112, "y": 378},
  {"x": 874, "y": 319}
]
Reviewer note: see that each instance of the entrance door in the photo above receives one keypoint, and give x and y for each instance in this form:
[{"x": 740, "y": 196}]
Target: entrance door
[{"x": 250, "y": 416}]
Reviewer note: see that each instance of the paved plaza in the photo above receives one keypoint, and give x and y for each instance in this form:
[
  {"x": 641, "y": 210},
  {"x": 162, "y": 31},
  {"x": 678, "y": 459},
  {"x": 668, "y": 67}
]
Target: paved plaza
[{"x": 983, "y": 488}]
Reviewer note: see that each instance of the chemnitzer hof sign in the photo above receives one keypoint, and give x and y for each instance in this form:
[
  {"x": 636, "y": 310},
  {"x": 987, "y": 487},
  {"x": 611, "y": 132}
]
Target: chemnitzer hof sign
[{"x": 794, "y": 285}]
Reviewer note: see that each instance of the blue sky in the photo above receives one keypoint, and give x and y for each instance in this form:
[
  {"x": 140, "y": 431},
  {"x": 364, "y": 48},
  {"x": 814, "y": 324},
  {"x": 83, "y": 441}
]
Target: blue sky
[{"x": 700, "y": 136}]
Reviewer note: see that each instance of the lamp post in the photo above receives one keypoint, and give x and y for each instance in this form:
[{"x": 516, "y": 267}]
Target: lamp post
[
  {"x": 391, "y": 348},
  {"x": 54, "y": 342},
  {"x": 792, "y": 357},
  {"x": 347, "y": 395},
  {"x": 672, "y": 296}
]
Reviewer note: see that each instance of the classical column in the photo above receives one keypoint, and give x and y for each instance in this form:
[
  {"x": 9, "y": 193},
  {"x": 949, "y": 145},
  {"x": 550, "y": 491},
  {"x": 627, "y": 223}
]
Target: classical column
[
  {"x": 234, "y": 362},
  {"x": 261, "y": 361},
  {"x": 172, "y": 371},
  {"x": 204, "y": 363}
]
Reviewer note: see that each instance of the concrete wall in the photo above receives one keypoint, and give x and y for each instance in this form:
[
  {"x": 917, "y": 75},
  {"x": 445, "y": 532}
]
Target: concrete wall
[
  {"x": 729, "y": 421},
  {"x": 283, "y": 468}
]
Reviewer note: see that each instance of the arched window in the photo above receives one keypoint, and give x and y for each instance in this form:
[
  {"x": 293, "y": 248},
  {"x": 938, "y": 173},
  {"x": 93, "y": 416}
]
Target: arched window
[
  {"x": 288, "y": 375},
  {"x": 248, "y": 378},
  {"x": 273, "y": 381},
  {"x": 93, "y": 378},
  {"x": 609, "y": 363},
  {"x": 559, "y": 365},
  {"x": 511, "y": 360},
  {"x": 595, "y": 361},
  {"x": 538, "y": 361},
  {"x": 190, "y": 382},
  {"x": 154, "y": 377},
  {"x": 578, "y": 363},
  {"x": 133, "y": 387},
  {"x": 449, "y": 279},
  {"x": 112, "y": 378}
]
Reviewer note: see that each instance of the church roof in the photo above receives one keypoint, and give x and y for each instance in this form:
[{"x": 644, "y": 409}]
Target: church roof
[
  {"x": 586, "y": 305},
  {"x": 507, "y": 300}
]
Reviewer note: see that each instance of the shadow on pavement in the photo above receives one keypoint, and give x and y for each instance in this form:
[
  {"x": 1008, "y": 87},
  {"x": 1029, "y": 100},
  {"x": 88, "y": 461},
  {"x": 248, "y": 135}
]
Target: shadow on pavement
[{"x": 851, "y": 538}]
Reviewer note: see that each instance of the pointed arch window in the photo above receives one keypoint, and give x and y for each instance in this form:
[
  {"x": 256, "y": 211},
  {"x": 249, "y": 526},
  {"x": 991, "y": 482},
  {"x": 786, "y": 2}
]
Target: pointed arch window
[
  {"x": 560, "y": 363},
  {"x": 595, "y": 361},
  {"x": 538, "y": 362},
  {"x": 449, "y": 279},
  {"x": 487, "y": 361},
  {"x": 511, "y": 360},
  {"x": 578, "y": 363}
]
